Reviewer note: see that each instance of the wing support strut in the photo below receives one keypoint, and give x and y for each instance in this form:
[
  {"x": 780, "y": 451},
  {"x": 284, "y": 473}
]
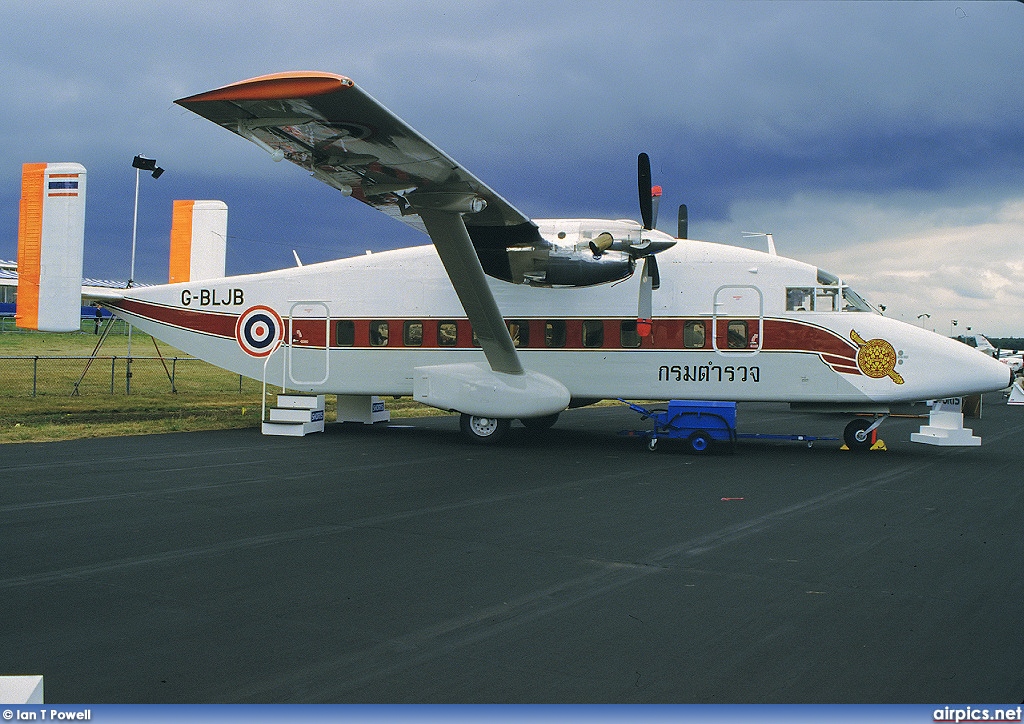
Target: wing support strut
[{"x": 448, "y": 232}]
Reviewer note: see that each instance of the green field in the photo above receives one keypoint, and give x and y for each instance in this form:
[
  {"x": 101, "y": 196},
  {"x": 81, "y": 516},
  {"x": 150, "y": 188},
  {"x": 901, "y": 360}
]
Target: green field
[{"x": 204, "y": 397}]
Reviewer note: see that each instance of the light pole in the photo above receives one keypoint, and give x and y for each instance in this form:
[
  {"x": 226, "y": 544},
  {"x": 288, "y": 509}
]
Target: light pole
[
  {"x": 139, "y": 163},
  {"x": 952, "y": 323},
  {"x": 923, "y": 317}
]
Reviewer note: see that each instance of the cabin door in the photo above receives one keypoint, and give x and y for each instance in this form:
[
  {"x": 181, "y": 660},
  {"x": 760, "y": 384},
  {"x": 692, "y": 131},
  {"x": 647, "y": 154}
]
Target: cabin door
[
  {"x": 309, "y": 343},
  {"x": 738, "y": 321}
]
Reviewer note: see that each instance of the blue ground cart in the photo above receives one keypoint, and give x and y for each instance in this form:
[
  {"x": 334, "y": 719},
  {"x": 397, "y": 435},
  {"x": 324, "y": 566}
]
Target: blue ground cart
[{"x": 701, "y": 423}]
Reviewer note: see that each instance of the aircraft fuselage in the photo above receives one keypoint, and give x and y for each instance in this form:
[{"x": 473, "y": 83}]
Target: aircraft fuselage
[{"x": 728, "y": 324}]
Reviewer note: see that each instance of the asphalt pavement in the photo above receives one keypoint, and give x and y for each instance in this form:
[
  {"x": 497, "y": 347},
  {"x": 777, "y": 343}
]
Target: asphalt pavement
[{"x": 396, "y": 563}]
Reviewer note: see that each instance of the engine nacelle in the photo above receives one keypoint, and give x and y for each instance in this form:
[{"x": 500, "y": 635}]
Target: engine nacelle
[{"x": 581, "y": 269}]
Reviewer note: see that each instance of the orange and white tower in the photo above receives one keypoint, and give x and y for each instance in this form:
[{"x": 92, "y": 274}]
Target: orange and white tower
[{"x": 51, "y": 240}]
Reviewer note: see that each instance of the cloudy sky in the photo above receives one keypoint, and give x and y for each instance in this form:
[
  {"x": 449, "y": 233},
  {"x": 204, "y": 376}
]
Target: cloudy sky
[{"x": 882, "y": 141}]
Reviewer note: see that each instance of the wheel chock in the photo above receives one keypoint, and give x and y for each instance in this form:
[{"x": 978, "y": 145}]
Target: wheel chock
[{"x": 879, "y": 445}]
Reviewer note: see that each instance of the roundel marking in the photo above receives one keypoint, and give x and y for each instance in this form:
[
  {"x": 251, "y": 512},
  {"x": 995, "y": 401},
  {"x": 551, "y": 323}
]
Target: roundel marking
[{"x": 259, "y": 330}]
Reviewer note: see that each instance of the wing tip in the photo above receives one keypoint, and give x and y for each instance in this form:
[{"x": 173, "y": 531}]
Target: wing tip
[{"x": 275, "y": 86}]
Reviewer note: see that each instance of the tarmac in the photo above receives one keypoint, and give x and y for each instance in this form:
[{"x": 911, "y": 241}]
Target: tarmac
[{"x": 397, "y": 563}]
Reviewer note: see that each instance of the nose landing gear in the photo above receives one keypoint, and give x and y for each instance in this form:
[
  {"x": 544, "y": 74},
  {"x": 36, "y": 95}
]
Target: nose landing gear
[{"x": 859, "y": 435}]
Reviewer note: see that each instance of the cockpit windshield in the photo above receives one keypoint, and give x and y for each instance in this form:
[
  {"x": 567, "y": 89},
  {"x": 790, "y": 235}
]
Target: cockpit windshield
[{"x": 830, "y": 295}]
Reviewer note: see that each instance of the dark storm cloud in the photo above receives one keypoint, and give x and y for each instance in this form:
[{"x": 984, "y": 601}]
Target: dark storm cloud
[{"x": 736, "y": 103}]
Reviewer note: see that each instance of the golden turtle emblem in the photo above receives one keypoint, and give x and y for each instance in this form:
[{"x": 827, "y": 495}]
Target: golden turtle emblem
[{"x": 876, "y": 358}]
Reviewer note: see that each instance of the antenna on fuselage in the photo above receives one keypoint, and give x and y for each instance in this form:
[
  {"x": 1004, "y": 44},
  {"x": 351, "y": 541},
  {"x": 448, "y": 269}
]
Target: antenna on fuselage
[
  {"x": 769, "y": 237},
  {"x": 298, "y": 261}
]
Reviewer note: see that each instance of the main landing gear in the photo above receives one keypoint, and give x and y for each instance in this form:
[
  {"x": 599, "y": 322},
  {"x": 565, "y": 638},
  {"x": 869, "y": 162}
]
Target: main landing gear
[
  {"x": 483, "y": 430},
  {"x": 489, "y": 430}
]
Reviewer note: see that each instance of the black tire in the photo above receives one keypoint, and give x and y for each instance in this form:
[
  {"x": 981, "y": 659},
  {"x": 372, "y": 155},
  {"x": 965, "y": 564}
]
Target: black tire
[
  {"x": 539, "y": 424},
  {"x": 700, "y": 442},
  {"x": 855, "y": 437},
  {"x": 483, "y": 430}
]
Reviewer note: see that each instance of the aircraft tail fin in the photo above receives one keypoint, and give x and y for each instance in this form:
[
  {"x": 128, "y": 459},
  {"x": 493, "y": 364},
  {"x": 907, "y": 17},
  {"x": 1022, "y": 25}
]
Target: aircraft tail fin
[
  {"x": 51, "y": 243},
  {"x": 199, "y": 233},
  {"x": 1016, "y": 392}
]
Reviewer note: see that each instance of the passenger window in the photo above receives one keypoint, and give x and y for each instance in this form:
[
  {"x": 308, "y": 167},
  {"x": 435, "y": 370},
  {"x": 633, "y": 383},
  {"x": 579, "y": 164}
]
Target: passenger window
[
  {"x": 519, "y": 332},
  {"x": 412, "y": 334},
  {"x": 447, "y": 334},
  {"x": 737, "y": 334},
  {"x": 345, "y": 333},
  {"x": 628, "y": 336},
  {"x": 694, "y": 335},
  {"x": 593, "y": 333},
  {"x": 378, "y": 333},
  {"x": 800, "y": 299},
  {"x": 554, "y": 333}
]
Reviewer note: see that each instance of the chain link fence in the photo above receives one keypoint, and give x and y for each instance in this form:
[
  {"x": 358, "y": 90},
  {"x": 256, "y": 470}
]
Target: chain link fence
[{"x": 64, "y": 376}]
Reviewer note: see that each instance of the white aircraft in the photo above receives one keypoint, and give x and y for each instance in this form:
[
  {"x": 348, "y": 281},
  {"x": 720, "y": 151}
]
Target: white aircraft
[
  {"x": 980, "y": 342},
  {"x": 506, "y": 317}
]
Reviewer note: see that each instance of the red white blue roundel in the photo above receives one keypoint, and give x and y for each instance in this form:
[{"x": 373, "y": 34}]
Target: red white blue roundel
[{"x": 259, "y": 331}]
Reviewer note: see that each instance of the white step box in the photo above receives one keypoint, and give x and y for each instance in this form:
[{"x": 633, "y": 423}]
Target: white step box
[
  {"x": 367, "y": 409},
  {"x": 296, "y": 415}
]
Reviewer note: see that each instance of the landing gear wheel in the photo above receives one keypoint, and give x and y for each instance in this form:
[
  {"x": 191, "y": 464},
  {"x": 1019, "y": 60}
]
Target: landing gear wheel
[
  {"x": 652, "y": 444},
  {"x": 700, "y": 442},
  {"x": 539, "y": 424},
  {"x": 855, "y": 435},
  {"x": 483, "y": 430}
]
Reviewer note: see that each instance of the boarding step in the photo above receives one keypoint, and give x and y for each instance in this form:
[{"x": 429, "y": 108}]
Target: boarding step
[{"x": 296, "y": 415}]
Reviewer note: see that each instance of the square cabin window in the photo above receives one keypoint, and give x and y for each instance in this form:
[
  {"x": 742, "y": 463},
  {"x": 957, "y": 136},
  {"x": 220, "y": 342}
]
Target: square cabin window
[
  {"x": 519, "y": 331},
  {"x": 378, "y": 333},
  {"x": 737, "y": 334},
  {"x": 628, "y": 336},
  {"x": 345, "y": 333},
  {"x": 593, "y": 332},
  {"x": 412, "y": 334},
  {"x": 694, "y": 335},
  {"x": 554, "y": 333},
  {"x": 447, "y": 334}
]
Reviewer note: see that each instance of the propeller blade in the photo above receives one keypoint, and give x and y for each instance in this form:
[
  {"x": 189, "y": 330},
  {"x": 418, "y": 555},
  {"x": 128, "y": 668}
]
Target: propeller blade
[
  {"x": 655, "y": 199},
  {"x": 644, "y": 306},
  {"x": 682, "y": 224},
  {"x": 643, "y": 175},
  {"x": 655, "y": 276}
]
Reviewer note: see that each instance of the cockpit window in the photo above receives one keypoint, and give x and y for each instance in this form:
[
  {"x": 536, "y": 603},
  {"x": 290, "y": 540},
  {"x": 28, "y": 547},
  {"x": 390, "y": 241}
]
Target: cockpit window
[
  {"x": 800, "y": 299},
  {"x": 830, "y": 295},
  {"x": 853, "y": 302}
]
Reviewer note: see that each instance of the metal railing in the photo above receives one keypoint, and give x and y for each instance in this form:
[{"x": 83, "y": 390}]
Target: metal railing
[{"x": 35, "y": 375}]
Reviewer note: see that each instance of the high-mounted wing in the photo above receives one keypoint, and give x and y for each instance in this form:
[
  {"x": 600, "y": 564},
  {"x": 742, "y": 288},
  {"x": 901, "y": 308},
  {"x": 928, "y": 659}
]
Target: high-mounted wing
[
  {"x": 342, "y": 136},
  {"x": 329, "y": 126}
]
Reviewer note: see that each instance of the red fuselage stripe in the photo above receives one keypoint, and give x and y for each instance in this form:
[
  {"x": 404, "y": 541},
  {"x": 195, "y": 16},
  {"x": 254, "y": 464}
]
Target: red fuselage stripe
[{"x": 778, "y": 335}]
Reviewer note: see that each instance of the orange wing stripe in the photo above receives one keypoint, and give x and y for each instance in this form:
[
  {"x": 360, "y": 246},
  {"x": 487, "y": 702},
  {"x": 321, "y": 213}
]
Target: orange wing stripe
[{"x": 276, "y": 86}]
